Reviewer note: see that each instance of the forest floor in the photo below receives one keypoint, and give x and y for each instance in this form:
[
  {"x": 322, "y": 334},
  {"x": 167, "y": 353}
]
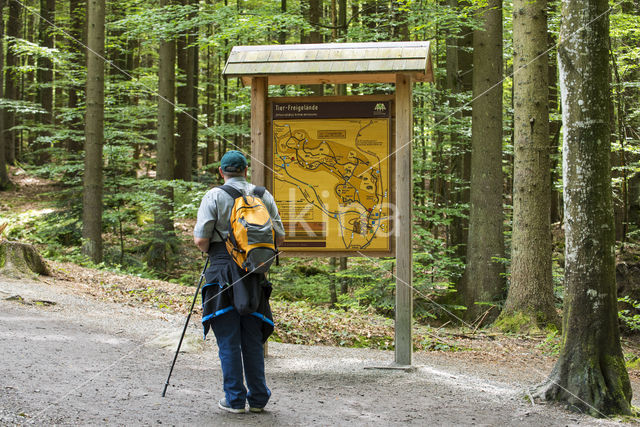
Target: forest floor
[
  {"x": 86, "y": 346},
  {"x": 71, "y": 356}
]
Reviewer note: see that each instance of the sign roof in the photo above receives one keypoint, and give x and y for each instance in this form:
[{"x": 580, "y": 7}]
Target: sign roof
[{"x": 377, "y": 62}]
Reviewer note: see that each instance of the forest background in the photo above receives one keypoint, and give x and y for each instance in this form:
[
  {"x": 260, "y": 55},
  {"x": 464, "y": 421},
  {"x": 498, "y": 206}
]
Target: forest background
[{"x": 169, "y": 115}]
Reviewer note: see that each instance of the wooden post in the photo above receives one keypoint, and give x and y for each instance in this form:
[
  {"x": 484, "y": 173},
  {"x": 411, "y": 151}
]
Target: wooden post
[
  {"x": 259, "y": 93},
  {"x": 403, "y": 220},
  {"x": 258, "y": 129}
]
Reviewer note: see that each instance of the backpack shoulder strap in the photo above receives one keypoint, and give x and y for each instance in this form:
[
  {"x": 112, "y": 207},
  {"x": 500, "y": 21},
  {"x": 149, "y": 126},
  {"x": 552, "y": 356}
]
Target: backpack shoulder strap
[
  {"x": 231, "y": 191},
  {"x": 259, "y": 191}
]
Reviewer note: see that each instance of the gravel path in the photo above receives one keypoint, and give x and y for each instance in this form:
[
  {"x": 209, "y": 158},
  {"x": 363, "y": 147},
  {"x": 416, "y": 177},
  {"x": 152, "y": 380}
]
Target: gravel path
[{"x": 68, "y": 358}]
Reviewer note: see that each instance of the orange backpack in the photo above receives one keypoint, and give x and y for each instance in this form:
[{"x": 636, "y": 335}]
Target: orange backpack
[{"x": 251, "y": 239}]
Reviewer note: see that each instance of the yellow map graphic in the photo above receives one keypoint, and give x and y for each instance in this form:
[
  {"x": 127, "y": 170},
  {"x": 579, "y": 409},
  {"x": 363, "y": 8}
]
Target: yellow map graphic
[{"x": 331, "y": 183}]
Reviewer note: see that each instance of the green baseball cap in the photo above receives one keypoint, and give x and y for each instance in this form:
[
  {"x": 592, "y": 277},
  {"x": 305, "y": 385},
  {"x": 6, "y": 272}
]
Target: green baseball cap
[{"x": 233, "y": 161}]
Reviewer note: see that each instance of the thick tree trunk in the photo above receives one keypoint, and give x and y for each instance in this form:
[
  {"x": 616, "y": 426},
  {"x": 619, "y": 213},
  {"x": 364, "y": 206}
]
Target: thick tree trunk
[
  {"x": 165, "y": 155},
  {"x": 460, "y": 80},
  {"x": 531, "y": 289},
  {"x": 94, "y": 134},
  {"x": 483, "y": 282},
  {"x": 590, "y": 373}
]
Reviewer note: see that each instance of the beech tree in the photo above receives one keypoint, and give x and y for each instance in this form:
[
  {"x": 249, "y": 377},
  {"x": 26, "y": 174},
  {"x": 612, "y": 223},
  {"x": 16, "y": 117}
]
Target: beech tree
[
  {"x": 94, "y": 133},
  {"x": 531, "y": 288},
  {"x": 590, "y": 373}
]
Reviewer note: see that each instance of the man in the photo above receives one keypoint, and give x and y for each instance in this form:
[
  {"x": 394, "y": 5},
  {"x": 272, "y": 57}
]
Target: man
[{"x": 239, "y": 337}]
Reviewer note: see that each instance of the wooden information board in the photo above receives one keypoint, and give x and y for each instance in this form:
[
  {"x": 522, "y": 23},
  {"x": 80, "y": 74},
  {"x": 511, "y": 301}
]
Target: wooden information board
[{"x": 331, "y": 174}]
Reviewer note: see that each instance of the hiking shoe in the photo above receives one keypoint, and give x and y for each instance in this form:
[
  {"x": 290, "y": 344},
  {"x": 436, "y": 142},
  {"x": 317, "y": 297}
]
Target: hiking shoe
[
  {"x": 224, "y": 405},
  {"x": 255, "y": 410}
]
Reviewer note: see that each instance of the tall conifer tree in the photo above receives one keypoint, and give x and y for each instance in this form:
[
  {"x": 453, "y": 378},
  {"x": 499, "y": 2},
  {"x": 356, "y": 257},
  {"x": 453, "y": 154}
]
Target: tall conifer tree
[
  {"x": 483, "y": 282},
  {"x": 165, "y": 149},
  {"x": 94, "y": 133},
  {"x": 531, "y": 288}
]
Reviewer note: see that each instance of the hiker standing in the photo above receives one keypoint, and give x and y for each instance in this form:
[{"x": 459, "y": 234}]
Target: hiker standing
[{"x": 235, "y": 301}]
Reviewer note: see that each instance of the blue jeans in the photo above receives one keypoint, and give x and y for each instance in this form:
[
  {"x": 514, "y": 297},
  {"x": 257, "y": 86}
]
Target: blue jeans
[{"x": 240, "y": 345}]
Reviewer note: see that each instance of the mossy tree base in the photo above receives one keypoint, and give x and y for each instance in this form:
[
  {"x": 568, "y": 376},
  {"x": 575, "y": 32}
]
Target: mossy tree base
[
  {"x": 598, "y": 386},
  {"x": 522, "y": 322},
  {"x": 20, "y": 260}
]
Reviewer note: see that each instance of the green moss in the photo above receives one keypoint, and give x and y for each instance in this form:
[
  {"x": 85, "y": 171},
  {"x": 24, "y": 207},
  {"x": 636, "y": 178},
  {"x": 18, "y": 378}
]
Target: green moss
[
  {"x": 3, "y": 256},
  {"x": 515, "y": 323},
  {"x": 521, "y": 322}
]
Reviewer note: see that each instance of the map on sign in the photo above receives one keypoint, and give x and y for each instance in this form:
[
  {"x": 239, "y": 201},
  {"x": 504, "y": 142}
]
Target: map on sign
[{"x": 331, "y": 180}]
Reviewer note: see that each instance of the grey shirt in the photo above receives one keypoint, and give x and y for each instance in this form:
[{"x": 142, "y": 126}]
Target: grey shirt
[{"x": 215, "y": 210}]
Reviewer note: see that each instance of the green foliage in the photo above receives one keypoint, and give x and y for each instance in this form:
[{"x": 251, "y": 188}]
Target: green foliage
[
  {"x": 629, "y": 316},
  {"x": 631, "y": 361},
  {"x": 442, "y": 130},
  {"x": 552, "y": 344},
  {"x": 297, "y": 279}
]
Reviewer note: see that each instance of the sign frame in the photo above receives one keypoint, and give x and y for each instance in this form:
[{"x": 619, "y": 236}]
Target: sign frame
[{"x": 391, "y": 161}]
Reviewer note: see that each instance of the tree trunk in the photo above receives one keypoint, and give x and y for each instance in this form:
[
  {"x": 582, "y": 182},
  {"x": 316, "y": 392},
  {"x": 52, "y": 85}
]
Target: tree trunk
[
  {"x": 20, "y": 260},
  {"x": 333, "y": 293},
  {"x": 314, "y": 14},
  {"x": 531, "y": 289},
  {"x": 94, "y": 133},
  {"x": 483, "y": 282},
  {"x": 210, "y": 110},
  {"x": 342, "y": 18},
  {"x": 4, "y": 177},
  {"x": 590, "y": 373},
  {"x": 185, "y": 93},
  {"x": 193, "y": 61},
  {"x": 282, "y": 35},
  {"x": 459, "y": 66},
  {"x": 12, "y": 78},
  {"x": 554, "y": 126},
  {"x": 77, "y": 10},
  {"x": 460, "y": 80},
  {"x": 344, "y": 284},
  {"x": 400, "y": 28},
  {"x": 45, "y": 78},
  {"x": 165, "y": 158}
]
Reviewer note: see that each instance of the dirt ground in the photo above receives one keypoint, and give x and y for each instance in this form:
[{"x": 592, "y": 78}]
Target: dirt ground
[{"x": 71, "y": 358}]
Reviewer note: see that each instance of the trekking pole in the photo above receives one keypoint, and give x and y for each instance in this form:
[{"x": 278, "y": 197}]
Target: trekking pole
[{"x": 184, "y": 330}]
